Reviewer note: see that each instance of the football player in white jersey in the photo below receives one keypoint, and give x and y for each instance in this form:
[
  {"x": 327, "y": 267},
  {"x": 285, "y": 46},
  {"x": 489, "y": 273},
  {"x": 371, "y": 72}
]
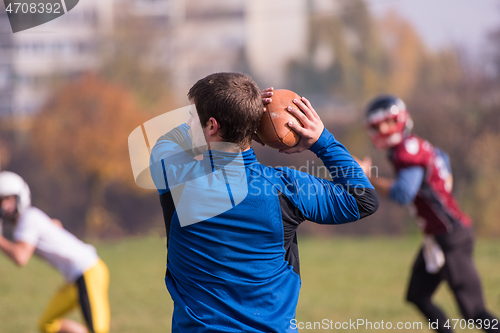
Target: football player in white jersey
[{"x": 86, "y": 275}]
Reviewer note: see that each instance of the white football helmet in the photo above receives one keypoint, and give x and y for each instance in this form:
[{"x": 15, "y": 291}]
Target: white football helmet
[{"x": 12, "y": 184}]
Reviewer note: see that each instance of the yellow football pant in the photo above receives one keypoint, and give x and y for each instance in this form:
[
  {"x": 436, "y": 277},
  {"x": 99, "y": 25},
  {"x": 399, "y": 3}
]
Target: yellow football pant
[{"x": 90, "y": 293}]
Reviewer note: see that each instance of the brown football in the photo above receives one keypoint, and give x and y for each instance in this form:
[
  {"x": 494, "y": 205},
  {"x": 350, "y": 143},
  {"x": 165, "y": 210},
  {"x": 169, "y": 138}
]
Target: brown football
[{"x": 274, "y": 130}]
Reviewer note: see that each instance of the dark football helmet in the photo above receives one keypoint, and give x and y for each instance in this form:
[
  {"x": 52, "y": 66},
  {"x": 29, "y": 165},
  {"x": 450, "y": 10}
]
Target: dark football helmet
[{"x": 387, "y": 108}]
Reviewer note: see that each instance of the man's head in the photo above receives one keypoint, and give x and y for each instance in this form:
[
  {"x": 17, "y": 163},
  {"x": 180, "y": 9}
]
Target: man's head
[
  {"x": 388, "y": 121},
  {"x": 15, "y": 195},
  {"x": 230, "y": 104}
]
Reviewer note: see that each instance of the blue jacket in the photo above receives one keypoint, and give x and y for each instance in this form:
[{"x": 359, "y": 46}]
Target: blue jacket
[{"x": 232, "y": 263}]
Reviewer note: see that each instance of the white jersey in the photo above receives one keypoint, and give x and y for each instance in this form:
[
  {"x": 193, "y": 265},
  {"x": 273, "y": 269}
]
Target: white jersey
[{"x": 57, "y": 246}]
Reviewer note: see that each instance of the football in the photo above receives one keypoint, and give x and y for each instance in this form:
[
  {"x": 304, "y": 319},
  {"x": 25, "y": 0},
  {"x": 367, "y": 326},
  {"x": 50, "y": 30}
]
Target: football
[{"x": 274, "y": 130}]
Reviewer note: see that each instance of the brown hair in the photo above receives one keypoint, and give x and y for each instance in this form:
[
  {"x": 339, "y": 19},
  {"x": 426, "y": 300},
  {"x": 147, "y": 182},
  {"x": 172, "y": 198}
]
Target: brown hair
[{"x": 234, "y": 100}]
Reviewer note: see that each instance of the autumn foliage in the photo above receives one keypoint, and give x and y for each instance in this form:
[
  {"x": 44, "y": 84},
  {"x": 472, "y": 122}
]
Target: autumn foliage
[{"x": 85, "y": 127}]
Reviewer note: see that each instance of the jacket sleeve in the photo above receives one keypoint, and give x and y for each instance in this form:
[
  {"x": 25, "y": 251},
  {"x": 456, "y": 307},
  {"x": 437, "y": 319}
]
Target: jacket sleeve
[
  {"x": 172, "y": 161},
  {"x": 348, "y": 197},
  {"x": 407, "y": 184}
]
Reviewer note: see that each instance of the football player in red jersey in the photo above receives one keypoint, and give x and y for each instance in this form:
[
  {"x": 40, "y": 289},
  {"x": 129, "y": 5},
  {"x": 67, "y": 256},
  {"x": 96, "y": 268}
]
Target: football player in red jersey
[{"x": 423, "y": 177}]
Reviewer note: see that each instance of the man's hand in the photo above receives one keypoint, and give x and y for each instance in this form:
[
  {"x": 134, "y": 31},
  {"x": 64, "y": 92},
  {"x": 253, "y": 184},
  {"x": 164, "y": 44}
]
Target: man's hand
[
  {"x": 20, "y": 252},
  {"x": 58, "y": 223},
  {"x": 382, "y": 185},
  {"x": 313, "y": 126},
  {"x": 266, "y": 95},
  {"x": 365, "y": 164}
]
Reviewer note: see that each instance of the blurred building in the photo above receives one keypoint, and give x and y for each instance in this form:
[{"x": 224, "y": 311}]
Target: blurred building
[
  {"x": 276, "y": 34},
  {"x": 60, "y": 49},
  {"x": 5, "y": 65},
  {"x": 211, "y": 39},
  {"x": 197, "y": 38},
  {"x": 256, "y": 37},
  {"x": 164, "y": 19}
]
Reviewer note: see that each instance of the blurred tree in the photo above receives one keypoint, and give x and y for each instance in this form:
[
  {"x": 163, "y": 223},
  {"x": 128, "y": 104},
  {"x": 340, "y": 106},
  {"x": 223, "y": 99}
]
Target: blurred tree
[
  {"x": 5, "y": 150},
  {"x": 85, "y": 128},
  {"x": 345, "y": 54},
  {"x": 441, "y": 71},
  {"x": 485, "y": 160},
  {"x": 494, "y": 52},
  {"x": 138, "y": 54},
  {"x": 406, "y": 54},
  {"x": 352, "y": 56},
  {"x": 462, "y": 119},
  {"x": 371, "y": 58}
]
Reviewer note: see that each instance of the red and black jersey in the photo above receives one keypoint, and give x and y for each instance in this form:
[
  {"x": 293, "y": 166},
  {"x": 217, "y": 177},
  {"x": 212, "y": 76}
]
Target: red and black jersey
[{"x": 434, "y": 202}]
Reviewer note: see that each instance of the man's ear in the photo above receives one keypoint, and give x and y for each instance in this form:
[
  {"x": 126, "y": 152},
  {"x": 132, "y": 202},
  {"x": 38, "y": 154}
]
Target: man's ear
[{"x": 213, "y": 126}]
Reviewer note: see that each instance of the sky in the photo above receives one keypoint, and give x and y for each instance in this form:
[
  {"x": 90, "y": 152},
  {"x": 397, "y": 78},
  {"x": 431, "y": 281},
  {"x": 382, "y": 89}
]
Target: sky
[{"x": 442, "y": 23}]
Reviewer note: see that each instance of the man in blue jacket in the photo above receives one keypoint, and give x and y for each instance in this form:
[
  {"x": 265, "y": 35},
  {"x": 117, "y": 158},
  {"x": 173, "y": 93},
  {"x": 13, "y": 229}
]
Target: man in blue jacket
[{"x": 233, "y": 263}]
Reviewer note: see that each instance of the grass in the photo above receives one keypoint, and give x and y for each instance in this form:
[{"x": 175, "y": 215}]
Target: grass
[
  {"x": 342, "y": 279},
  {"x": 366, "y": 278}
]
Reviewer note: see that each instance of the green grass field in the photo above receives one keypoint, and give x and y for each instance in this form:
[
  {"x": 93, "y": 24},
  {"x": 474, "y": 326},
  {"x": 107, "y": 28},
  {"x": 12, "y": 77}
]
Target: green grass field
[{"x": 342, "y": 279}]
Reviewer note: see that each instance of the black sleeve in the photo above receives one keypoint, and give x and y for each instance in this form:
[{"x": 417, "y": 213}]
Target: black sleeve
[
  {"x": 367, "y": 200},
  {"x": 292, "y": 217}
]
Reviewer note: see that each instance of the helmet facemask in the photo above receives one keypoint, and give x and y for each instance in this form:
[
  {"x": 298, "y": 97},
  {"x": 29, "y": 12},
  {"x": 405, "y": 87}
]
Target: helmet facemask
[
  {"x": 391, "y": 110},
  {"x": 11, "y": 215}
]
